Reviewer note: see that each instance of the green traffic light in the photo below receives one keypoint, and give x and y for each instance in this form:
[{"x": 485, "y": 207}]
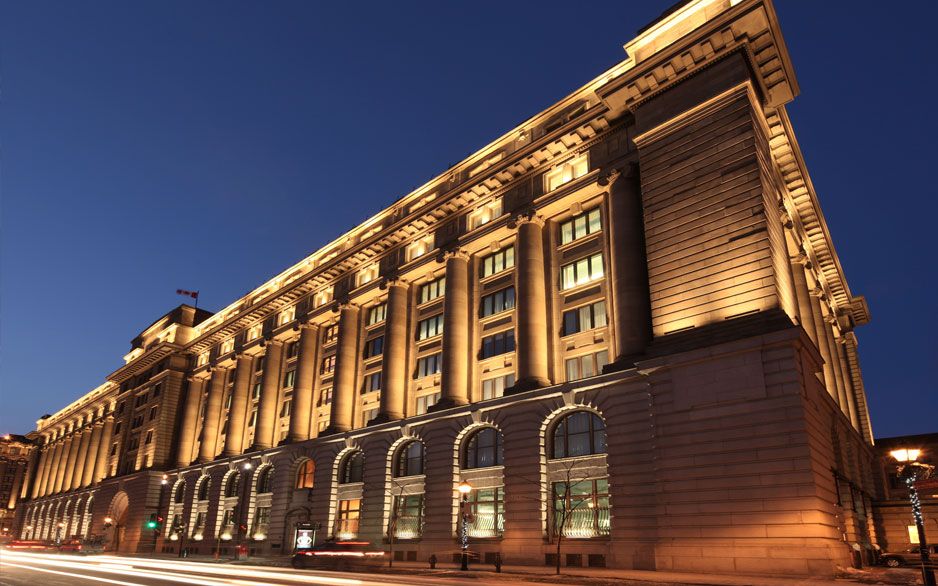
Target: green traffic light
[{"x": 151, "y": 524}]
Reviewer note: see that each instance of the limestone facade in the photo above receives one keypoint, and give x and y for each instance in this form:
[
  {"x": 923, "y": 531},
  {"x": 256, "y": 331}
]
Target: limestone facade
[{"x": 623, "y": 322}]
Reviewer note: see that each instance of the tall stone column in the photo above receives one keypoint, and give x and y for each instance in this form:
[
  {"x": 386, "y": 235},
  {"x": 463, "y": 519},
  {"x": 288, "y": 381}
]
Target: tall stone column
[
  {"x": 72, "y": 462},
  {"x": 394, "y": 363},
  {"x": 208, "y": 446},
  {"x": 238, "y": 413},
  {"x": 533, "y": 337},
  {"x": 189, "y": 423},
  {"x": 58, "y": 448},
  {"x": 19, "y": 475},
  {"x": 848, "y": 382},
  {"x": 798, "y": 261},
  {"x": 41, "y": 472},
  {"x": 104, "y": 450},
  {"x": 456, "y": 316},
  {"x": 63, "y": 464},
  {"x": 827, "y": 324},
  {"x": 346, "y": 366},
  {"x": 822, "y": 345},
  {"x": 266, "y": 428},
  {"x": 307, "y": 362},
  {"x": 630, "y": 295},
  {"x": 80, "y": 460},
  {"x": 87, "y": 475}
]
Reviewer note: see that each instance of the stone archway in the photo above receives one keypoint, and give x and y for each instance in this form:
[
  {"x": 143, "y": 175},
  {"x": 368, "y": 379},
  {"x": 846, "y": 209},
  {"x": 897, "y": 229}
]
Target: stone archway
[{"x": 117, "y": 512}]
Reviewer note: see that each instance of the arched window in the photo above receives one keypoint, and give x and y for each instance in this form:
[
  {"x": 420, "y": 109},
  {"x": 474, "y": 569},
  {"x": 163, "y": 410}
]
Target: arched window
[
  {"x": 304, "y": 474},
  {"x": 483, "y": 449},
  {"x": 265, "y": 482},
  {"x": 204, "y": 488},
  {"x": 232, "y": 486},
  {"x": 580, "y": 433},
  {"x": 351, "y": 468},
  {"x": 409, "y": 459},
  {"x": 180, "y": 493}
]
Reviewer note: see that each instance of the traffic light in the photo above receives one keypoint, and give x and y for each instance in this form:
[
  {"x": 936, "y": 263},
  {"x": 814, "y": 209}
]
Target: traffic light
[{"x": 155, "y": 521}]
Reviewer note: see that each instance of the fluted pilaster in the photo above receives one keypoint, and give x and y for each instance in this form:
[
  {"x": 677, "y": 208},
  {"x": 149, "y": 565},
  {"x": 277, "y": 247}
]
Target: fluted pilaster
[
  {"x": 189, "y": 423},
  {"x": 208, "y": 446},
  {"x": 238, "y": 413},
  {"x": 266, "y": 428},
  {"x": 304, "y": 387}
]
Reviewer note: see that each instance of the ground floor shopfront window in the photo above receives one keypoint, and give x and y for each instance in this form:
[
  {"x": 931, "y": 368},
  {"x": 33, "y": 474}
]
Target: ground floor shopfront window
[
  {"x": 486, "y": 513},
  {"x": 408, "y": 516},
  {"x": 347, "y": 518},
  {"x": 581, "y": 509}
]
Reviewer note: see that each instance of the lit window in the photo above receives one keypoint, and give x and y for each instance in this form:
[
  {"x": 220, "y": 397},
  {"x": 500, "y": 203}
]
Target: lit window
[
  {"x": 430, "y": 327},
  {"x": 498, "y": 262},
  {"x": 367, "y": 275},
  {"x": 419, "y": 247},
  {"x": 498, "y": 302},
  {"x": 325, "y": 397},
  {"x": 372, "y": 383},
  {"x": 374, "y": 347},
  {"x": 584, "y": 318},
  {"x": 425, "y": 402},
  {"x": 432, "y": 290},
  {"x": 580, "y": 226},
  {"x": 586, "y": 366},
  {"x": 585, "y": 270},
  {"x": 304, "y": 474},
  {"x": 254, "y": 331},
  {"x": 347, "y": 517},
  {"x": 408, "y": 516},
  {"x": 330, "y": 334},
  {"x": 500, "y": 343},
  {"x": 581, "y": 509},
  {"x": 377, "y": 314},
  {"x": 492, "y": 388},
  {"x": 287, "y": 315},
  {"x": 429, "y": 365},
  {"x": 486, "y": 513},
  {"x": 227, "y": 346},
  {"x": 203, "y": 359},
  {"x": 328, "y": 365},
  {"x": 321, "y": 298},
  {"x": 485, "y": 214},
  {"x": 566, "y": 172}
]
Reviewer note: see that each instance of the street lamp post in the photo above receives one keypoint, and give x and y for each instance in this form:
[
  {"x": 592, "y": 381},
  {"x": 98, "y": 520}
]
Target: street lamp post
[
  {"x": 108, "y": 523},
  {"x": 910, "y": 470},
  {"x": 464, "y": 489}
]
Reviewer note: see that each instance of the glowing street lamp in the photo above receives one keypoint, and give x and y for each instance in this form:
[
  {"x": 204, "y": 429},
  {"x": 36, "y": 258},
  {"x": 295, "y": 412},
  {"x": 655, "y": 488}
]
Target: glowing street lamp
[
  {"x": 464, "y": 489},
  {"x": 911, "y": 470}
]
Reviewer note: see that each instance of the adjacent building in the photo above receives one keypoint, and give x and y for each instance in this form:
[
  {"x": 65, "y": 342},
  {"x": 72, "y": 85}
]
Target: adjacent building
[
  {"x": 17, "y": 460},
  {"x": 895, "y": 523},
  {"x": 622, "y": 322}
]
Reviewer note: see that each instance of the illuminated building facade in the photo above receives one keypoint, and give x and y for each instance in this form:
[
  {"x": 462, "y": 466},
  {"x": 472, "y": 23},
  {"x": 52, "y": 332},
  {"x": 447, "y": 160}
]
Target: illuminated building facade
[
  {"x": 623, "y": 321},
  {"x": 17, "y": 459}
]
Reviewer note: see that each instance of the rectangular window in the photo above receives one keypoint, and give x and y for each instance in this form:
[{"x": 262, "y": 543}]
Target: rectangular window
[
  {"x": 149, "y": 438},
  {"x": 293, "y": 350},
  {"x": 254, "y": 332},
  {"x": 498, "y": 262},
  {"x": 259, "y": 364},
  {"x": 432, "y": 290},
  {"x": 584, "y": 318},
  {"x": 372, "y": 382},
  {"x": 286, "y": 316},
  {"x": 374, "y": 347},
  {"x": 566, "y": 172},
  {"x": 581, "y": 509},
  {"x": 330, "y": 334},
  {"x": 498, "y": 302},
  {"x": 289, "y": 378},
  {"x": 153, "y": 412},
  {"x": 429, "y": 365},
  {"x": 347, "y": 514},
  {"x": 261, "y": 522},
  {"x": 430, "y": 327},
  {"x": 585, "y": 270},
  {"x": 419, "y": 247},
  {"x": 367, "y": 275},
  {"x": 368, "y": 415},
  {"x": 486, "y": 508},
  {"x": 253, "y": 418},
  {"x": 157, "y": 389},
  {"x": 325, "y": 397},
  {"x": 227, "y": 346},
  {"x": 408, "y": 516},
  {"x": 500, "y": 343},
  {"x": 425, "y": 402},
  {"x": 256, "y": 391},
  {"x": 586, "y": 366},
  {"x": 328, "y": 365},
  {"x": 579, "y": 226},
  {"x": 485, "y": 214},
  {"x": 377, "y": 314},
  {"x": 285, "y": 408},
  {"x": 492, "y": 388}
]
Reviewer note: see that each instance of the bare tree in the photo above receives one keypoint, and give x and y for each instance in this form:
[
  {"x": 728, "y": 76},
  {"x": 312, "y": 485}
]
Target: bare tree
[{"x": 396, "y": 490}]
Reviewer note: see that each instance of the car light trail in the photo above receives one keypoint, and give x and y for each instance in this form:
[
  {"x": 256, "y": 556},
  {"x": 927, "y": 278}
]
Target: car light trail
[{"x": 72, "y": 575}]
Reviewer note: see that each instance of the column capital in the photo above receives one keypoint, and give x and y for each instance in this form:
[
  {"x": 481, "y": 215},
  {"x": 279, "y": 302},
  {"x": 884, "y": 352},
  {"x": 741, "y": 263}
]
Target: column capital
[
  {"x": 389, "y": 281},
  {"x": 272, "y": 342},
  {"x": 525, "y": 216},
  {"x": 610, "y": 176},
  {"x": 338, "y": 306},
  {"x": 455, "y": 252}
]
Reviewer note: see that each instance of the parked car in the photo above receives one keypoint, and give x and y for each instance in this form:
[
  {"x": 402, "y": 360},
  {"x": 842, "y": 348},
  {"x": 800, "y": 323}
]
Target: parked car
[
  {"x": 80, "y": 546},
  {"x": 339, "y": 555},
  {"x": 908, "y": 557}
]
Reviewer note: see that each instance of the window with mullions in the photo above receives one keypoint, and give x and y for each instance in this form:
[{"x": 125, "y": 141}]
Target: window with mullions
[
  {"x": 289, "y": 378},
  {"x": 585, "y": 270},
  {"x": 259, "y": 364},
  {"x": 233, "y": 485},
  {"x": 286, "y": 408},
  {"x": 293, "y": 350},
  {"x": 497, "y": 302},
  {"x": 430, "y": 327},
  {"x": 377, "y": 314},
  {"x": 351, "y": 469},
  {"x": 409, "y": 460},
  {"x": 256, "y": 391},
  {"x": 330, "y": 334},
  {"x": 347, "y": 516},
  {"x": 426, "y": 401},
  {"x": 304, "y": 474},
  {"x": 581, "y": 433},
  {"x": 579, "y": 226},
  {"x": 374, "y": 347},
  {"x": 408, "y": 516},
  {"x": 584, "y": 318},
  {"x": 328, "y": 365},
  {"x": 500, "y": 343},
  {"x": 432, "y": 290},
  {"x": 586, "y": 366},
  {"x": 204, "y": 488},
  {"x": 429, "y": 365},
  {"x": 325, "y": 397},
  {"x": 372, "y": 383},
  {"x": 486, "y": 508},
  {"x": 498, "y": 262},
  {"x": 483, "y": 449},
  {"x": 492, "y": 388},
  {"x": 265, "y": 482},
  {"x": 581, "y": 509}
]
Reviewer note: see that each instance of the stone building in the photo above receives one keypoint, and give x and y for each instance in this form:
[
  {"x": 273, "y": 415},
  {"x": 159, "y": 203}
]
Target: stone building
[
  {"x": 17, "y": 459},
  {"x": 623, "y": 322},
  {"x": 895, "y": 524}
]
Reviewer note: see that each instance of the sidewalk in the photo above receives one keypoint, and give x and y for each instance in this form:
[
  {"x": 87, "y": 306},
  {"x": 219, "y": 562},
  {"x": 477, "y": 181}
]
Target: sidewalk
[{"x": 609, "y": 576}]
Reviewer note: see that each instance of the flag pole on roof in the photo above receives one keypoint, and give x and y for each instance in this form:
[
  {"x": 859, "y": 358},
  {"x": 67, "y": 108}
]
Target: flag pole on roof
[{"x": 192, "y": 294}]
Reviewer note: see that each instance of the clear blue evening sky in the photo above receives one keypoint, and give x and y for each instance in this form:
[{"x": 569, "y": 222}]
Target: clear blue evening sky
[{"x": 148, "y": 146}]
